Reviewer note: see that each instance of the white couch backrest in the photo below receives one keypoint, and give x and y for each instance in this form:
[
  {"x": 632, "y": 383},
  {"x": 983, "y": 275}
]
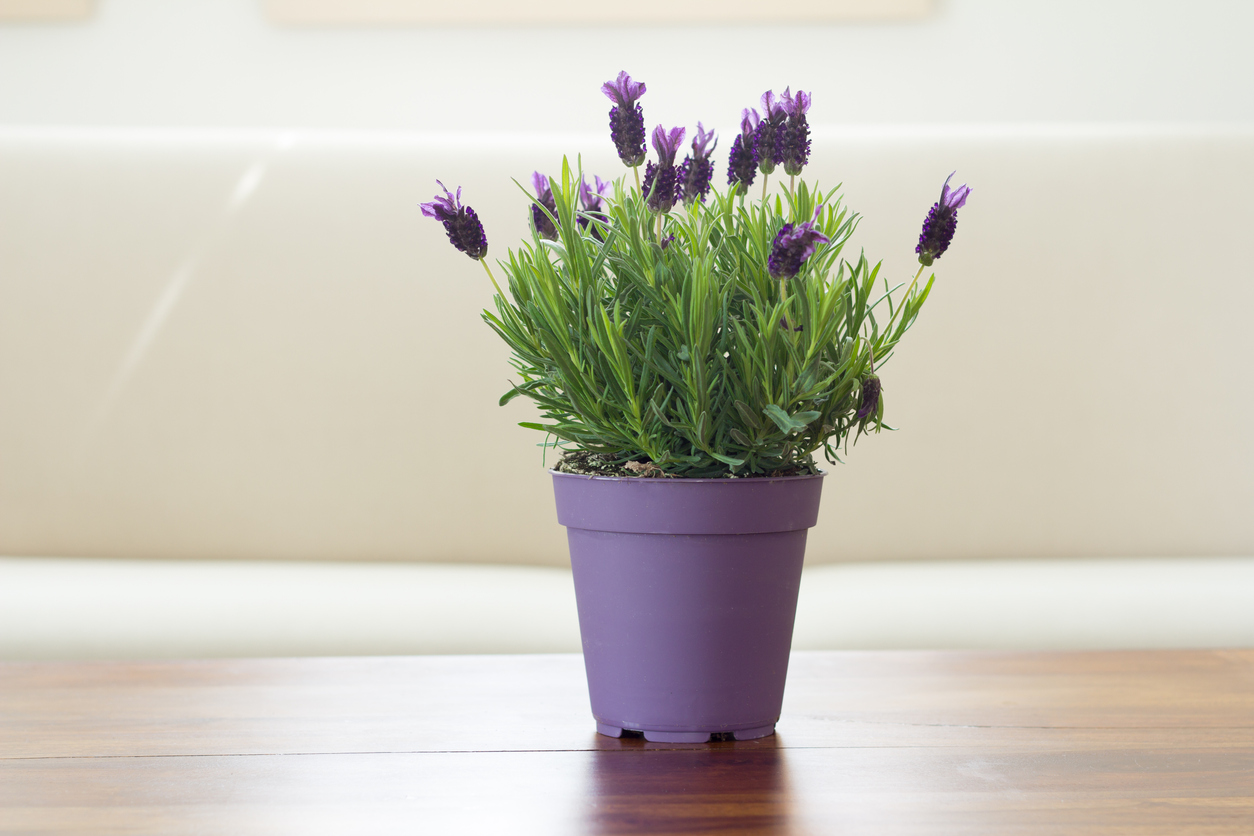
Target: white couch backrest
[{"x": 221, "y": 344}]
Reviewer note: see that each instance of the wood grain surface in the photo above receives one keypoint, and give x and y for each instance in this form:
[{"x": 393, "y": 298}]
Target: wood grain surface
[{"x": 870, "y": 742}]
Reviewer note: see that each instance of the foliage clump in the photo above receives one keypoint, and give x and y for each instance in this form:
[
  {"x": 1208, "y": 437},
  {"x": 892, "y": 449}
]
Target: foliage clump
[
  {"x": 665, "y": 339},
  {"x": 727, "y": 338}
]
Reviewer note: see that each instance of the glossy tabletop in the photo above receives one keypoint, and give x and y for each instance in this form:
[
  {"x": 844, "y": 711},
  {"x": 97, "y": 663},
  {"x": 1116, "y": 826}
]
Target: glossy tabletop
[{"x": 893, "y": 742}]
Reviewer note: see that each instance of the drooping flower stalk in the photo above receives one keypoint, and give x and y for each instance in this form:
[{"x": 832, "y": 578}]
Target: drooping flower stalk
[
  {"x": 661, "y": 181},
  {"x": 794, "y": 139},
  {"x": 627, "y": 118},
  {"x": 464, "y": 229},
  {"x": 941, "y": 222},
  {"x": 697, "y": 171},
  {"x": 871, "y": 388},
  {"x": 742, "y": 162},
  {"x": 593, "y": 197},
  {"x": 544, "y": 196}
]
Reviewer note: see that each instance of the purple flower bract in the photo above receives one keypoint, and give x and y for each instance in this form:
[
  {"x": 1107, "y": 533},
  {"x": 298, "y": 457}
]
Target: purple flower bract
[
  {"x": 590, "y": 197},
  {"x": 666, "y": 143}
]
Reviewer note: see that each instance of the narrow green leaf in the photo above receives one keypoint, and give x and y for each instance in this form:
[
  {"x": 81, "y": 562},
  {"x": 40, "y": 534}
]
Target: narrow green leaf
[{"x": 781, "y": 418}]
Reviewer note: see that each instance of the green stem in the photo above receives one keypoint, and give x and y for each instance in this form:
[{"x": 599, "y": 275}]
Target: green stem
[
  {"x": 783, "y": 301},
  {"x": 493, "y": 278},
  {"x": 913, "y": 282},
  {"x": 765, "y": 177},
  {"x": 659, "y": 229},
  {"x": 635, "y": 169},
  {"x": 906, "y": 298}
]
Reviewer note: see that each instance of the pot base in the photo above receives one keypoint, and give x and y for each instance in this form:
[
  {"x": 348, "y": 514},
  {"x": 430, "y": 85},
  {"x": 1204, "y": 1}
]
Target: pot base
[{"x": 685, "y": 737}]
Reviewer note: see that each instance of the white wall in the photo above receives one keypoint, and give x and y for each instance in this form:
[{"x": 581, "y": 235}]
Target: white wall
[
  {"x": 218, "y": 62},
  {"x": 1079, "y": 385},
  {"x": 253, "y": 345}
]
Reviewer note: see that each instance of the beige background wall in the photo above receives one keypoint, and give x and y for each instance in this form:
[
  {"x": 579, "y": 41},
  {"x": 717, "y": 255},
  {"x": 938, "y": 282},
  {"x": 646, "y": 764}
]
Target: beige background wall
[{"x": 243, "y": 344}]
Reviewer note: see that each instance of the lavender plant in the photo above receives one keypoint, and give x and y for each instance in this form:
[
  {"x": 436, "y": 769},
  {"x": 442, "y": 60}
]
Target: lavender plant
[{"x": 680, "y": 336}]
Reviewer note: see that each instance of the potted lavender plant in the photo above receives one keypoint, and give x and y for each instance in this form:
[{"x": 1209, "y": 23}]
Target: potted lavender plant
[{"x": 691, "y": 350}]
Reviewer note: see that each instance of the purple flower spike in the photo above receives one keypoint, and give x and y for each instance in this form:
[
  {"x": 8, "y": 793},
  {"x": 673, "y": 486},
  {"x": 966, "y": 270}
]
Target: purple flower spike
[
  {"x": 626, "y": 118},
  {"x": 661, "y": 181},
  {"x": 704, "y": 142},
  {"x": 544, "y": 195},
  {"x": 742, "y": 162},
  {"x": 749, "y": 120},
  {"x": 792, "y": 246},
  {"x": 772, "y": 108},
  {"x": 871, "y": 388},
  {"x": 941, "y": 222},
  {"x": 798, "y": 105},
  {"x": 461, "y": 223},
  {"x": 793, "y": 141},
  {"x": 769, "y": 134},
  {"x": 697, "y": 170}
]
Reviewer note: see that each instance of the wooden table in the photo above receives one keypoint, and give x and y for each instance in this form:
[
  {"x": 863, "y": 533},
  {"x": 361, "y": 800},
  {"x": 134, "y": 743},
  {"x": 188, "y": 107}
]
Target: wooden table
[{"x": 870, "y": 743}]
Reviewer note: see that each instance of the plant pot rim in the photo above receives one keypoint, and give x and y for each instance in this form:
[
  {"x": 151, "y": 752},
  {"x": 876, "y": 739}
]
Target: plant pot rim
[
  {"x": 636, "y": 505},
  {"x": 688, "y": 481}
]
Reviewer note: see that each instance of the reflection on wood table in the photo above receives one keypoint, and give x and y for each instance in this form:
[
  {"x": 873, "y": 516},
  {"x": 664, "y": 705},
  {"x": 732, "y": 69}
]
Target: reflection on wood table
[{"x": 1143, "y": 742}]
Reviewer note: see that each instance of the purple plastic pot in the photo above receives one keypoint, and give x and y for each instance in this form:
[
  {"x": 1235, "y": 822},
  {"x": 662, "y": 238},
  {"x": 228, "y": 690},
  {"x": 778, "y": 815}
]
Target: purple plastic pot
[{"x": 687, "y": 590}]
